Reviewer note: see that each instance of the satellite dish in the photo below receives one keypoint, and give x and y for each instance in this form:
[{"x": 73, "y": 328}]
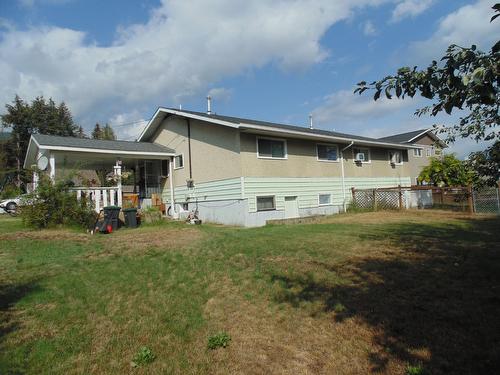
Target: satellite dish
[{"x": 42, "y": 163}]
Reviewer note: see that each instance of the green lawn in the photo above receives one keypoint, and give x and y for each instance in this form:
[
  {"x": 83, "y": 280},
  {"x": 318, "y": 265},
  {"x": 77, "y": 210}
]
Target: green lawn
[{"x": 358, "y": 293}]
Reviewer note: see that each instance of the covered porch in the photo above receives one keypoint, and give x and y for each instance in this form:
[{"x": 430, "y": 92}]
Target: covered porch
[{"x": 103, "y": 171}]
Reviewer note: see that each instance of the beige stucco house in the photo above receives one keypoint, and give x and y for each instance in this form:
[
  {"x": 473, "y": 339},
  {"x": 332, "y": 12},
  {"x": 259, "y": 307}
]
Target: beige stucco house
[{"x": 244, "y": 172}]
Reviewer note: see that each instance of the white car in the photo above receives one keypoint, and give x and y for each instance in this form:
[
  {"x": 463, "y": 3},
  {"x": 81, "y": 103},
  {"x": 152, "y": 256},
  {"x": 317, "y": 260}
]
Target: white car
[{"x": 9, "y": 205}]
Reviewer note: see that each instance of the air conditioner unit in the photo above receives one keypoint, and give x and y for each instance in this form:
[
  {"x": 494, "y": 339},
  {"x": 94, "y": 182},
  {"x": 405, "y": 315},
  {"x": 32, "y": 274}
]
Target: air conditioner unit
[{"x": 360, "y": 157}]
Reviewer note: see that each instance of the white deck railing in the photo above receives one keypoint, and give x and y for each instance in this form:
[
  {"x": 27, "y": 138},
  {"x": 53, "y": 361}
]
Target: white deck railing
[{"x": 101, "y": 196}]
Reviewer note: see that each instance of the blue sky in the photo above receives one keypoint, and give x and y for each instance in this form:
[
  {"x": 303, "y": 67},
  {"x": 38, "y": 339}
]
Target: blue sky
[{"x": 117, "y": 61}]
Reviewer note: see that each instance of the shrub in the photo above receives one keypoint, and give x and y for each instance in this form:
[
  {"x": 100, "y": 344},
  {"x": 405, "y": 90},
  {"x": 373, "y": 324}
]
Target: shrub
[
  {"x": 10, "y": 191},
  {"x": 54, "y": 204},
  {"x": 143, "y": 357},
  {"x": 219, "y": 340}
]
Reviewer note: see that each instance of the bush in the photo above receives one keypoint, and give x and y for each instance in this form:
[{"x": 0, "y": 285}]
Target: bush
[
  {"x": 10, "y": 191},
  {"x": 54, "y": 204}
]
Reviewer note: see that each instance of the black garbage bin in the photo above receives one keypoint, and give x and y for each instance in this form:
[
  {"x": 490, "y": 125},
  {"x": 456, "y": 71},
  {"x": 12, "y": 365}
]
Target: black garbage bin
[
  {"x": 130, "y": 217},
  {"x": 111, "y": 214}
]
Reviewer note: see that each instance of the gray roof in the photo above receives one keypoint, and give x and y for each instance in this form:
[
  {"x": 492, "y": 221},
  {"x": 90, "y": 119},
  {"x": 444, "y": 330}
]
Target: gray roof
[
  {"x": 403, "y": 137},
  {"x": 129, "y": 146},
  {"x": 239, "y": 120}
]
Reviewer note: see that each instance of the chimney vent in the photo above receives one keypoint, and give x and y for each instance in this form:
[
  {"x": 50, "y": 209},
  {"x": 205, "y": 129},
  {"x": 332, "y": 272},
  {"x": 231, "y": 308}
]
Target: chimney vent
[
  {"x": 310, "y": 121},
  {"x": 209, "y": 105}
]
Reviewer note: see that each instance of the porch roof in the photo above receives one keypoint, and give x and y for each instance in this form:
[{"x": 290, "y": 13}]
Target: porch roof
[{"x": 94, "y": 147}]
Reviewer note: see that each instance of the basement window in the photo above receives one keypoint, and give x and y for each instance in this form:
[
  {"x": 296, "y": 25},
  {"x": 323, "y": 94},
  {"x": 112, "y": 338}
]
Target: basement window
[
  {"x": 324, "y": 199},
  {"x": 266, "y": 203}
]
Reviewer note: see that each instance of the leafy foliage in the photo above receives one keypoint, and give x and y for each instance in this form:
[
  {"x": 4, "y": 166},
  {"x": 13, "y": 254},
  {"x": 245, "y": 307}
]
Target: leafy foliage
[
  {"x": 415, "y": 370},
  {"x": 219, "y": 340},
  {"x": 465, "y": 78},
  {"x": 54, "y": 204},
  {"x": 447, "y": 171},
  {"x": 486, "y": 165},
  {"x": 144, "y": 356}
]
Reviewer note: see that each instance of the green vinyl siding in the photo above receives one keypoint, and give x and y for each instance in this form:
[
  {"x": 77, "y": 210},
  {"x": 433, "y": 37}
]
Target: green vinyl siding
[
  {"x": 206, "y": 191},
  {"x": 307, "y": 189}
]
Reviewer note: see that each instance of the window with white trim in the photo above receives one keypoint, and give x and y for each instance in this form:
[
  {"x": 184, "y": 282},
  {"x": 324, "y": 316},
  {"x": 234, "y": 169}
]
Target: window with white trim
[
  {"x": 417, "y": 152},
  {"x": 396, "y": 157},
  {"x": 428, "y": 152},
  {"x": 327, "y": 152},
  {"x": 361, "y": 154},
  {"x": 324, "y": 199},
  {"x": 271, "y": 148},
  {"x": 178, "y": 161},
  {"x": 267, "y": 203}
]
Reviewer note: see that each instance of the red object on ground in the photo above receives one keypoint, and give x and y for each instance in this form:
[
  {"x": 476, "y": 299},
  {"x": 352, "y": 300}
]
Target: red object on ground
[{"x": 109, "y": 228}]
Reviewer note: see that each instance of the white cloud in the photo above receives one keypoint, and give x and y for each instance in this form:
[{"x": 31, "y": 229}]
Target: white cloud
[
  {"x": 468, "y": 25},
  {"x": 410, "y": 8},
  {"x": 183, "y": 49},
  {"x": 220, "y": 93},
  {"x": 369, "y": 28},
  {"x": 343, "y": 107}
]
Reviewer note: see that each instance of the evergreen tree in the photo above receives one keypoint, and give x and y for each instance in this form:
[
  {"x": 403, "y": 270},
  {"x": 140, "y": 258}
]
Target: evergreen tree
[
  {"x": 97, "y": 133},
  {"x": 23, "y": 119},
  {"x": 80, "y": 133},
  {"x": 109, "y": 133}
]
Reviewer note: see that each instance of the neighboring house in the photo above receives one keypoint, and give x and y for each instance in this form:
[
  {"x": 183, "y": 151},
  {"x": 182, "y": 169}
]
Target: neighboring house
[
  {"x": 242, "y": 171},
  {"x": 427, "y": 144}
]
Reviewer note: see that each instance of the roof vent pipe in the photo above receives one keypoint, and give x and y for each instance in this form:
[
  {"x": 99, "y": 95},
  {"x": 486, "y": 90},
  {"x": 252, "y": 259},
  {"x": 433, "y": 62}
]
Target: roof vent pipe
[
  {"x": 209, "y": 102},
  {"x": 310, "y": 121}
]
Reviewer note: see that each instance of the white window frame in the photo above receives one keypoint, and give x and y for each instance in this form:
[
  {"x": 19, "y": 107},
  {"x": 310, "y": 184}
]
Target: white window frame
[
  {"x": 328, "y": 145},
  {"x": 428, "y": 152},
  {"x": 265, "y": 196},
  {"x": 362, "y": 148},
  {"x": 325, "y": 204},
  {"x": 272, "y": 139},
  {"x": 175, "y": 161},
  {"x": 394, "y": 151},
  {"x": 421, "y": 152}
]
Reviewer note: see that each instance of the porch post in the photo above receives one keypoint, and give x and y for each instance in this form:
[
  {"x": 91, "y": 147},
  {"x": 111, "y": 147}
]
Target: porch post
[
  {"x": 52, "y": 165},
  {"x": 171, "y": 182},
  {"x": 118, "y": 173},
  {"x": 35, "y": 180}
]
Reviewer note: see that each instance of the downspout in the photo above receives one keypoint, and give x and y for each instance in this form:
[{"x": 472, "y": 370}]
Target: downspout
[
  {"x": 189, "y": 148},
  {"x": 343, "y": 174}
]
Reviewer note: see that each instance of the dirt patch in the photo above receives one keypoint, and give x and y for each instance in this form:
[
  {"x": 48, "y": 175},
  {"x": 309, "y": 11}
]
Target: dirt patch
[
  {"x": 48, "y": 235},
  {"x": 137, "y": 242},
  {"x": 270, "y": 339}
]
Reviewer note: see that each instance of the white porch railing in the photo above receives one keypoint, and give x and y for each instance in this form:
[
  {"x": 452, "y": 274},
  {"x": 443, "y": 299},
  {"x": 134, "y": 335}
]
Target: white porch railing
[{"x": 100, "y": 196}]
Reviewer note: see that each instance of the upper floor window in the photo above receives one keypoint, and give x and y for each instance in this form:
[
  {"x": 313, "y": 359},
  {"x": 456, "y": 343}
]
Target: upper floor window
[
  {"x": 271, "y": 148},
  {"x": 428, "y": 152},
  {"x": 178, "y": 161},
  {"x": 396, "y": 157},
  {"x": 417, "y": 152},
  {"x": 327, "y": 152},
  {"x": 361, "y": 155}
]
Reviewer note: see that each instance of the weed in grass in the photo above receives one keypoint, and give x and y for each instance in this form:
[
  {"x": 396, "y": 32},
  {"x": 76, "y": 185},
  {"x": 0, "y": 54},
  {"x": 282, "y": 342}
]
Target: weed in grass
[
  {"x": 339, "y": 308},
  {"x": 143, "y": 357},
  {"x": 415, "y": 370},
  {"x": 219, "y": 340}
]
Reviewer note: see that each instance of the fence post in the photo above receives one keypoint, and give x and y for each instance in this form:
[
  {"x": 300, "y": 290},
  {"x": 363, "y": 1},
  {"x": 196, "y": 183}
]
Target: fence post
[
  {"x": 353, "y": 191},
  {"x": 442, "y": 196},
  {"x": 374, "y": 199},
  {"x": 400, "y": 197},
  {"x": 469, "y": 198}
]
